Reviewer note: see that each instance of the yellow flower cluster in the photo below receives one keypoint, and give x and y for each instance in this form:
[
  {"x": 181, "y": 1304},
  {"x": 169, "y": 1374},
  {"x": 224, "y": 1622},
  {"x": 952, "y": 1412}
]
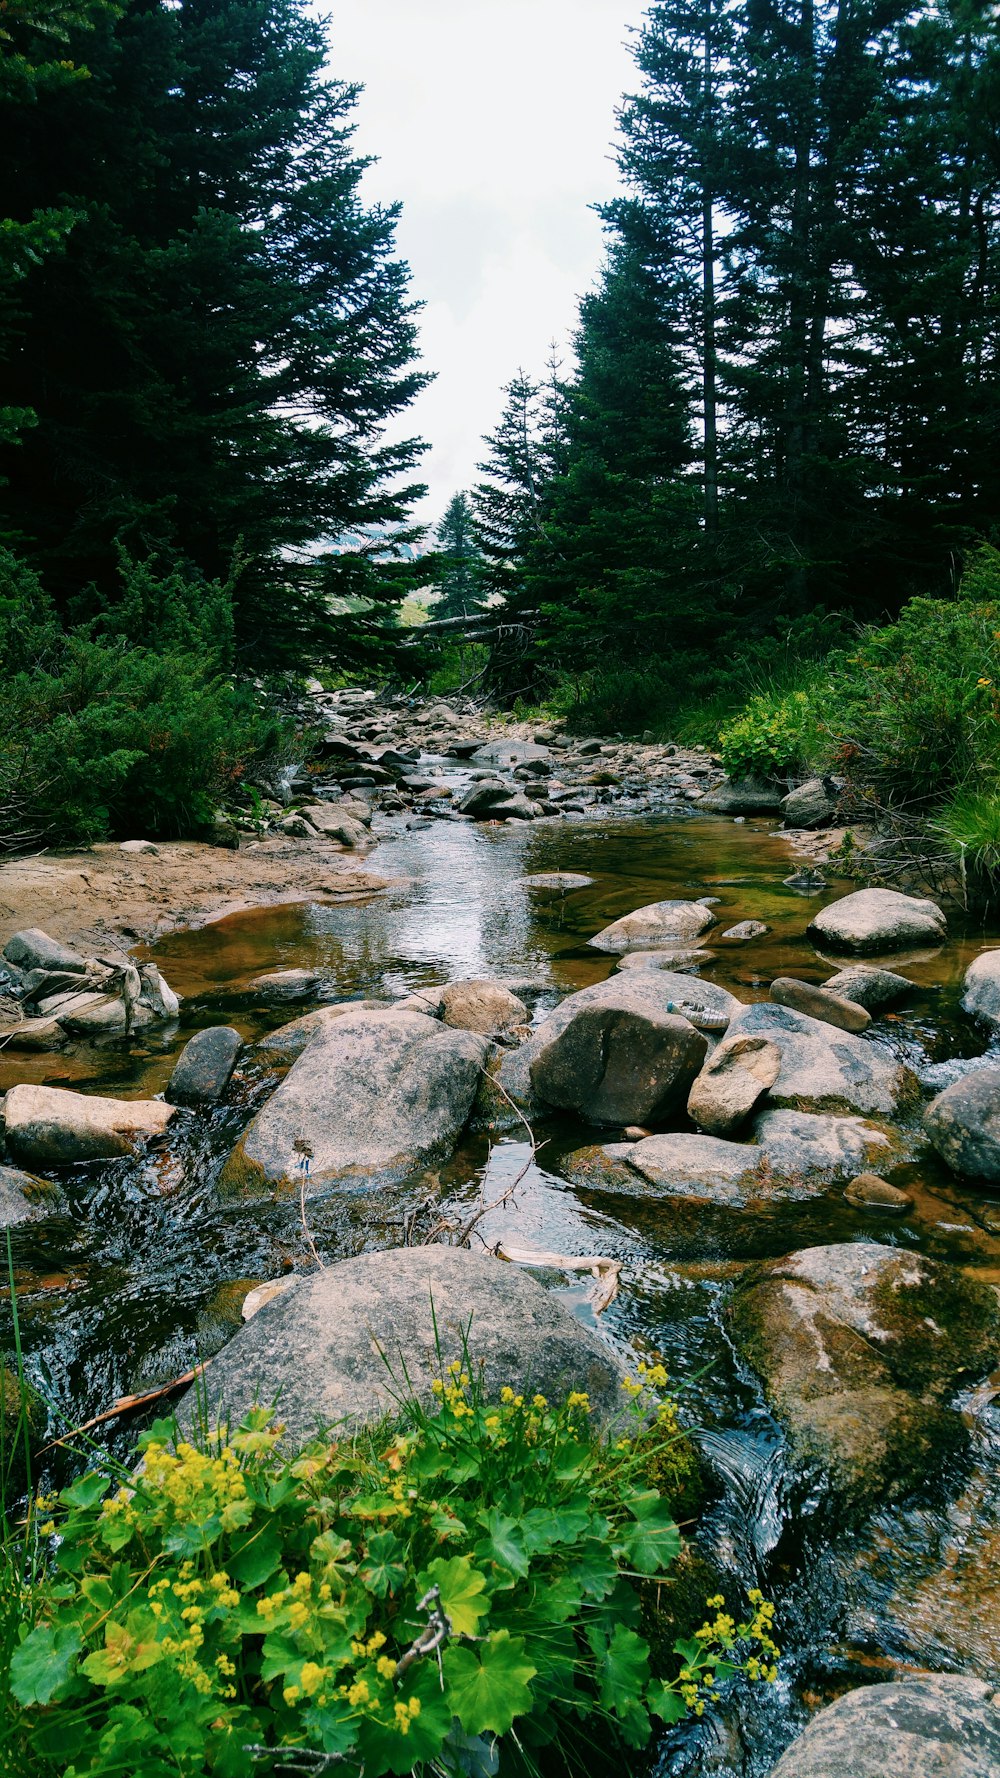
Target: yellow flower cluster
[{"x": 405, "y": 1713}]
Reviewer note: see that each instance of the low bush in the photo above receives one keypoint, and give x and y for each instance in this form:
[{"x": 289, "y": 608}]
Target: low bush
[
  {"x": 103, "y": 736},
  {"x": 773, "y": 737},
  {"x": 448, "y": 1596}
]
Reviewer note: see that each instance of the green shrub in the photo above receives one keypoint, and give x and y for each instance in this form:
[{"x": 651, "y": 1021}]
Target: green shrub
[
  {"x": 451, "y": 1594},
  {"x": 970, "y": 829},
  {"x": 100, "y": 735},
  {"x": 772, "y": 737}
]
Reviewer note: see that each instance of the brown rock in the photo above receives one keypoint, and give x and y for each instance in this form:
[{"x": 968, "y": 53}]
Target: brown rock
[
  {"x": 868, "y": 1192},
  {"x": 731, "y": 1082},
  {"x": 819, "y": 1003}
]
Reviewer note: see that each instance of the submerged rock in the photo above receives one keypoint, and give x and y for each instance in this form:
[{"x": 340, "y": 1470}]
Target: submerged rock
[
  {"x": 981, "y": 989},
  {"x": 869, "y": 1192},
  {"x": 879, "y": 920},
  {"x": 858, "y": 1345},
  {"x": 615, "y": 1054},
  {"x": 204, "y": 1067},
  {"x": 49, "y": 1127},
  {"x": 963, "y": 1124},
  {"x": 373, "y": 1097},
  {"x": 556, "y": 882},
  {"x": 735, "y": 1076},
  {"x": 928, "y": 1725},
  {"x": 285, "y": 984},
  {"x": 661, "y": 922},
  {"x": 823, "y": 1069},
  {"x": 25, "y": 1198},
  {"x": 340, "y": 1346},
  {"x": 871, "y": 988}
]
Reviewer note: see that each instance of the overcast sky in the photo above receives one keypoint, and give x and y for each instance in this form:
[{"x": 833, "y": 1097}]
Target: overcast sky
[{"x": 493, "y": 121}]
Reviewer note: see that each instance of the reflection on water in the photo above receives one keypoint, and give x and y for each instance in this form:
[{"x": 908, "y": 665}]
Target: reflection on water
[{"x": 131, "y": 1286}]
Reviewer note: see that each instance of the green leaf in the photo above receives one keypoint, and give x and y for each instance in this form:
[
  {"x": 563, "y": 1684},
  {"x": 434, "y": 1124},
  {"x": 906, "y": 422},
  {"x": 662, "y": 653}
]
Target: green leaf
[
  {"x": 462, "y": 1589},
  {"x": 86, "y": 1492},
  {"x": 594, "y": 1569},
  {"x": 257, "y": 1559},
  {"x": 546, "y": 1526},
  {"x": 43, "y": 1663},
  {"x": 503, "y": 1543},
  {"x": 653, "y": 1541},
  {"x": 665, "y": 1704},
  {"x": 623, "y": 1671},
  {"x": 383, "y": 1570},
  {"x": 487, "y": 1690}
]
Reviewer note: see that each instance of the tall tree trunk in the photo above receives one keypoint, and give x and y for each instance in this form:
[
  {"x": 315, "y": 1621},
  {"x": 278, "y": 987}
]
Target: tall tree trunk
[{"x": 709, "y": 365}]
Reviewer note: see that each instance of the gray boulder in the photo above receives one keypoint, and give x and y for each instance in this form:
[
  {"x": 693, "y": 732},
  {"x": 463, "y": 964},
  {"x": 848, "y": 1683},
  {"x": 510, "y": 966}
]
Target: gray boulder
[
  {"x": 963, "y": 1124},
  {"x": 823, "y": 1069},
  {"x": 556, "y": 882},
  {"x": 615, "y": 1054},
  {"x": 928, "y": 1725},
  {"x": 482, "y": 798},
  {"x": 33, "y": 949},
  {"x": 481, "y": 1006},
  {"x": 335, "y": 1348},
  {"x": 25, "y": 1198},
  {"x": 878, "y": 920},
  {"x": 374, "y": 1096},
  {"x": 819, "y": 1147},
  {"x": 873, "y": 989},
  {"x": 813, "y": 804},
  {"x": 660, "y": 923},
  {"x": 693, "y": 1169},
  {"x": 819, "y": 1003},
  {"x": 735, "y": 1076},
  {"x": 508, "y": 753},
  {"x": 204, "y": 1067},
  {"x": 981, "y": 989},
  {"x": 284, "y": 984},
  {"x": 746, "y": 929},
  {"x": 744, "y": 796},
  {"x": 48, "y": 1127},
  {"x": 858, "y": 1347}
]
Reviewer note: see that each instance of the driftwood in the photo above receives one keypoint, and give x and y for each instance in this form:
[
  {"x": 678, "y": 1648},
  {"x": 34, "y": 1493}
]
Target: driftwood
[
  {"x": 607, "y": 1272},
  {"x": 128, "y": 1404}
]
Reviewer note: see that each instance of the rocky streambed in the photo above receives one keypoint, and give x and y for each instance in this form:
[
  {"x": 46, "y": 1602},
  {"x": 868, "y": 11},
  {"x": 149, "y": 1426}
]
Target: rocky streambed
[{"x": 767, "y": 1108}]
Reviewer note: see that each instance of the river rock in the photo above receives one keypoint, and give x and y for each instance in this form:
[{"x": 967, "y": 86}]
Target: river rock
[
  {"x": 873, "y": 989},
  {"x": 335, "y": 822},
  {"x": 731, "y": 1082},
  {"x": 204, "y": 1067},
  {"x": 481, "y": 799},
  {"x": 515, "y": 807},
  {"x": 823, "y": 1069},
  {"x": 819, "y": 1147},
  {"x": 375, "y": 1095},
  {"x": 813, "y": 804},
  {"x": 508, "y": 753},
  {"x": 744, "y": 796},
  {"x": 660, "y": 923},
  {"x": 671, "y": 957},
  {"x": 963, "y": 1124},
  {"x": 878, "y": 920},
  {"x": 284, "y": 984},
  {"x": 615, "y": 1054},
  {"x": 928, "y": 1725},
  {"x": 819, "y": 1003},
  {"x": 746, "y": 929},
  {"x": 481, "y": 1006},
  {"x": 697, "y": 1169},
  {"x": 869, "y": 1192},
  {"x": 556, "y": 882},
  {"x": 25, "y": 1198},
  {"x": 287, "y": 1043},
  {"x": 33, "y": 1034},
  {"x": 49, "y": 1127},
  {"x": 981, "y": 989},
  {"x": 345, "y": 1344},
  {"x": 33, "y": 949},
  {"x": 857, "y": 1346}
]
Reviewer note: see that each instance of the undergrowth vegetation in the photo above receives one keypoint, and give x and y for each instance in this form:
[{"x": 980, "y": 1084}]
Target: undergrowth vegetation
[{"x": 452, "y": 1593}]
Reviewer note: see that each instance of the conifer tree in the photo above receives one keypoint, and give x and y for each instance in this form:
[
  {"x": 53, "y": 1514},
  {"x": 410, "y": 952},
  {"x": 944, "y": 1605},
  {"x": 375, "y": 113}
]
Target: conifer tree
[
  {"x": 213, "y": 356},
  {"x": 459, "y": 569}
]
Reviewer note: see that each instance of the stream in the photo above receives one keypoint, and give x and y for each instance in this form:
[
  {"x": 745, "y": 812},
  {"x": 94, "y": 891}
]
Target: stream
[{"x": 146, "y": 1273}]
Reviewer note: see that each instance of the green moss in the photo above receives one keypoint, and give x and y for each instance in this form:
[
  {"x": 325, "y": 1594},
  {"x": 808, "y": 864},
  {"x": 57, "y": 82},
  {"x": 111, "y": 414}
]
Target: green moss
[{"x": 944, "y": 1327}]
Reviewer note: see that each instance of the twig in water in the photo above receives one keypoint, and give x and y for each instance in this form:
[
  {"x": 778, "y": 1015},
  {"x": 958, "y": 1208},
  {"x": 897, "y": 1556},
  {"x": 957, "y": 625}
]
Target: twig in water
[
  {"x": 128, "y": 1404},
  {"x": 305, "y": 1153},
  {"x": 607, "y": 1272}
]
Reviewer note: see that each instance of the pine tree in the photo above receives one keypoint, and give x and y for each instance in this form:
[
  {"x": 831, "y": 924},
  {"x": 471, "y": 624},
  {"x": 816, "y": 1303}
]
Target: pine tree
[
  {"x": 509, "y": 501},
  {"x": 459, "y": 569},
  {"x": 214, "y": 355}
]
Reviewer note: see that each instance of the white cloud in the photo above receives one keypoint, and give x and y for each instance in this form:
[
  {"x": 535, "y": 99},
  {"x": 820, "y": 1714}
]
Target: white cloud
[{"x": 493, "y": 121}]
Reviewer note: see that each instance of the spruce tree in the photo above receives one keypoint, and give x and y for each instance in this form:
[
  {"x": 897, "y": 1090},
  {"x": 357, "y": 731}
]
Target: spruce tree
[
  {"x": 213, "y": 356},
  {"x": 459, "y": 563}
]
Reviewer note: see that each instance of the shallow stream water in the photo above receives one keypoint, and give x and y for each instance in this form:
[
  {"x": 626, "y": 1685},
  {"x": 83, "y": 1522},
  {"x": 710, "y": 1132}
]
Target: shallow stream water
[{"x": 131, "y": 1288}]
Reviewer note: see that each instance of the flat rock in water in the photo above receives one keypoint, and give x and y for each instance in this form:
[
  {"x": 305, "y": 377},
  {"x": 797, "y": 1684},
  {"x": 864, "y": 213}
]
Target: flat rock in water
[
  {"x": 49, "y": 1127},
  {"x": 869, "y": 1192},
  {"x": 733, "y": 1079},
  {"x": 671, "y": 957},
  {"x": 374, "y": 1096},
  {"x": 696, "y": 1169},
  {"x": 33, "y": 1034},
  {"x": 878, "y": 920},
  {"x": 871, "y": 988},
  {"x": 963, "y": 1124},
  {"x": 556, "y": 882},
  {"x": 744, "y": 796},
  {"x": 823, "y": 1069},
  {"x": 615, "y": 1053},
  {"x": 928, "y": 1725},
  {"x": 25, "y": 1198},
  {"x": 335, "y": 1348},
  {"x": 508, "y": 753},
  {"x": 660, "y": 923},
  {"x": 819, "y": 1003},
  {"x": 981, "y": 988},
  {"x": 746, "y": 929},
  {"x": 204, "y": 1067},
  {"x": 820, "y": 1147},
  {"x": 858, "y": 1347},
  {"x": 285, "y": 984}
]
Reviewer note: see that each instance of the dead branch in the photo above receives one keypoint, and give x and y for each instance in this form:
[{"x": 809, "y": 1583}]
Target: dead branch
[{"x": 129, "y": 1404}]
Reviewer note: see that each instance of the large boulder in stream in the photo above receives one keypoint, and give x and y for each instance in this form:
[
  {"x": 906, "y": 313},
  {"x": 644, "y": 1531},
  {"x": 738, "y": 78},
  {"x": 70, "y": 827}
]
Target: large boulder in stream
[
  {"x": 859, "y": 1347},
  {"x": 25, "y": 1198},
  {"x": 373, "y": 1097},
  {"x": 659, "y": 923},
  {"x": 821, "y": 1148},
  {"x": 347, "y": 1343},
  {"x": 981, "y": 988},
  {"x": 928, "y": 1725},
  {"x": 735, "y": 1076},
  {"x": 963, "y": 1124},
  {"x": 48, "y": 1127},
  {"x": 616, "y": 1052},
  {"x": 205, "y": 1065},
  {"x": 824, "y": 1069},
  {"x": 878, "y": 920}
]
